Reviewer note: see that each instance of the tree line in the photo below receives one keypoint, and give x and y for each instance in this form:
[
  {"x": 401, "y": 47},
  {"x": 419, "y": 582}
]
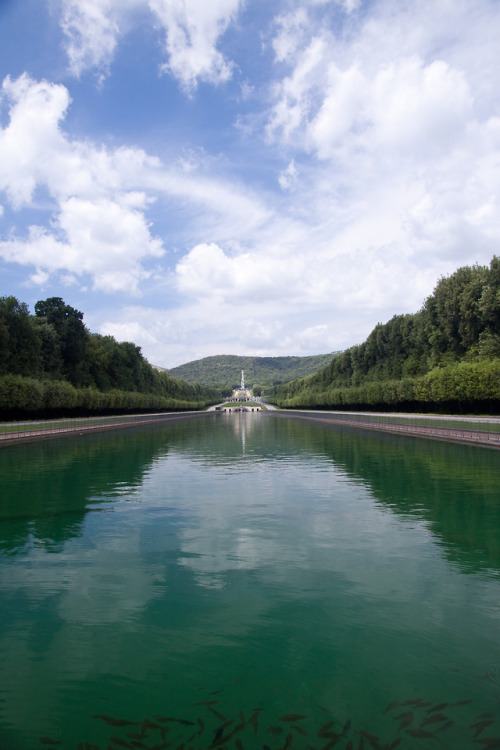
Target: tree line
[
  {"x": 51, "y": 365},
  {"x": 445, "y": 357}
]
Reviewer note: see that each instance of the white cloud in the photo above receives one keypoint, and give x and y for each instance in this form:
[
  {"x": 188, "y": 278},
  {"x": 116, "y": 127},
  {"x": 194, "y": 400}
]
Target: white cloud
[
  {"x": 405, "y": 109},
  {"x": 39, "y": 278},
  {"x": 32, "y": 136},
  {"x": 295, "y": 93},
  {"x": 288, "y": 176},
  {"x": 98, "y": 227},
  {"x": 192, "y": 30},
  {"x": 130, "y": 331},
  {"x": 401, "y": 187},
  {"x": 377, "y": 173},
  {"x": 206, "y": 271},
  {"x": 91, "y": 29},
  {"x": 401, "y": 133},
  {"x": 101, "y": 238},
  {"x": 201, "y": 328},
  {"x": 100, "y": 198},
  {"x": 291, "y": 28}
]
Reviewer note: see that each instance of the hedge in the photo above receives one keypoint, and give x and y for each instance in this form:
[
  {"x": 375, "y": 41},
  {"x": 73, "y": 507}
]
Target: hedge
[
  {"x": 25, "y": 398},
  {"x": 464, "y": 384}
]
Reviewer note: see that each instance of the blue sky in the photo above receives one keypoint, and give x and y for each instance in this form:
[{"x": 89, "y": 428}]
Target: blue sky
[{"x": 245, "y": 177}]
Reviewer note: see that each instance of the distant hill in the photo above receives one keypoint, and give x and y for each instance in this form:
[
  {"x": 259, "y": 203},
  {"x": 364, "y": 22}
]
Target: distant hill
[{"x": 224, "y": 371}]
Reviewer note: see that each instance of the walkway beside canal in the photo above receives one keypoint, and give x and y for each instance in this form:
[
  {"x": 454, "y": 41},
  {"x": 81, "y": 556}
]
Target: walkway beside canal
[
  {"x": 22, "y": 432},
  {"x": 483, "y": 431}
]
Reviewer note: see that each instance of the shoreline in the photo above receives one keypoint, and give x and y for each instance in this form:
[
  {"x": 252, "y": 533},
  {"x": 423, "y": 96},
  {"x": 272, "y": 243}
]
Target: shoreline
[
  {"x": 25, "y": 436},
  {"x": 448, "y": 434}
]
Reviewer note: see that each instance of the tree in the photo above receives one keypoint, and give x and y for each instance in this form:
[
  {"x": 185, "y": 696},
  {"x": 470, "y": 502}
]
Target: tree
[
  {"x": 489, "y": 302},
  {"x": 72, "y": 333},
  {"x": 19, "y": 343}
]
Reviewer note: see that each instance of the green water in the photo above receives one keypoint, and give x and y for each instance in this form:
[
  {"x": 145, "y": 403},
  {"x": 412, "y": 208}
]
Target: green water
[{"x": 197, "y": 585}]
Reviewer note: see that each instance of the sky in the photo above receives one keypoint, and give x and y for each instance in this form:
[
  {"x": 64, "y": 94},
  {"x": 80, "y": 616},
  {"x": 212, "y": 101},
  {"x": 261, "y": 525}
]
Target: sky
[{"x": 260, "y": 177}]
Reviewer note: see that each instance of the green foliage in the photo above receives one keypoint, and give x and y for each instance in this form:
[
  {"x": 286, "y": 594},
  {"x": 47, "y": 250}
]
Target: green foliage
[
  {"x": 21, "y": 397},
  {"x": 50, "y": 364},
  {"x": 19, "y": 343},
  {"x": 19, "y": 394},
  {"x": 224, "y": 371},
  {"x": 71, "y": 334},
  {"x": 446, "y": 354}
]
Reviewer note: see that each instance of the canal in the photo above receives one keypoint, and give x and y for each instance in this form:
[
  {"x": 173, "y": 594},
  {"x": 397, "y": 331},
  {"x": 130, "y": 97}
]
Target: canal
[{"x": 246, "y": 581}]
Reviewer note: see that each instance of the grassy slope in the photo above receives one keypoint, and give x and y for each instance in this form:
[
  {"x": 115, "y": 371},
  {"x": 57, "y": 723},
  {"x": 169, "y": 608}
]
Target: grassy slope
[{"x": 224, "y": 371}]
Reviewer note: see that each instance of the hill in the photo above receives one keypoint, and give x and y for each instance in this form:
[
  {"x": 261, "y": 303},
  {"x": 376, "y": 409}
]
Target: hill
[
  {"x": 446, "y": 357},
  {"x": 224, "y": 371}
]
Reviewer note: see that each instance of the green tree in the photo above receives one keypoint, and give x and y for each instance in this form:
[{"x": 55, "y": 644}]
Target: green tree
[
  {"x": 19, "y": 343},
  {"x": 72, "y": 333}
]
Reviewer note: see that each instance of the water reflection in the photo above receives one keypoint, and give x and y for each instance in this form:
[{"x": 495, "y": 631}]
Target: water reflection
[
  {"x": 453, "y": 488},
  {"x": 290, "y": 567},
  {"x": 47, "y": 487}
]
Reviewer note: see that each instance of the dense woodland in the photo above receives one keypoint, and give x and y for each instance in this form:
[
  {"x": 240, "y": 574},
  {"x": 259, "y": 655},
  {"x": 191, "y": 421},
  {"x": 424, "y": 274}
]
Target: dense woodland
[
  {"x": 446, "y": 357},
  {"x": 51, "y": 365},
  {"x": 224, "y": 371}
]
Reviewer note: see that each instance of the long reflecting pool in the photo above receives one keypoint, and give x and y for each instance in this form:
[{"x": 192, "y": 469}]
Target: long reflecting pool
[{"x": 247, "y": 581}]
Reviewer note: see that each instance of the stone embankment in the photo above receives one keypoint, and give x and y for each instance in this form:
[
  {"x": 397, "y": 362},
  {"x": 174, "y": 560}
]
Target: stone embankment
[
  {"x": 28, "y": 431},
  {"x": 477, "y": 434}
]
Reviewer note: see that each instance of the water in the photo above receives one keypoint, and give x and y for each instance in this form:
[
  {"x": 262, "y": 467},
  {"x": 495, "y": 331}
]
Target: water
[{"x": 156, "y": 584}]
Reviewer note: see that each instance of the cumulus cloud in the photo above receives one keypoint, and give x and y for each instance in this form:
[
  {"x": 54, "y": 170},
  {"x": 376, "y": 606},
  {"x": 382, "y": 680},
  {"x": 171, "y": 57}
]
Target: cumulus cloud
[
  {"x": 103, "y": 239},
  {"x": 374, "y": 170},
  {"x": 130, "y": 331},
  {"x": 98, "y": 226},
  {"x": 32, "y": 135},
  {"x": 192, "y": 30},
  {"x": 406, "y": 108},
  {"x": 100, "y": 198},
  {"x": 207, "y": 271},
  {"x": 398, "y": 131}
]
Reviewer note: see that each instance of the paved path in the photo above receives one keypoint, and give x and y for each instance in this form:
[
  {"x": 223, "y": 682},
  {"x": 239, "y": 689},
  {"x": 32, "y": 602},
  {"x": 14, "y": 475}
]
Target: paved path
[
  {"x": 28, "y": 433},
  {"x": 458, "y": 435}
]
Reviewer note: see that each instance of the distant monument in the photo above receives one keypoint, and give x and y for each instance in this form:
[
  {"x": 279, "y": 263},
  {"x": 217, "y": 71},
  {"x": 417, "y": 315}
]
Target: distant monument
[{"x": 243, "y": 394}]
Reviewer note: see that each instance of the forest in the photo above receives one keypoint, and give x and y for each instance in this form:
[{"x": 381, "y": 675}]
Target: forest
[
  {"x": 223, "y": 371},
  {"x": 444, "y": 358},
  {"x": 52, "y": 366}
]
